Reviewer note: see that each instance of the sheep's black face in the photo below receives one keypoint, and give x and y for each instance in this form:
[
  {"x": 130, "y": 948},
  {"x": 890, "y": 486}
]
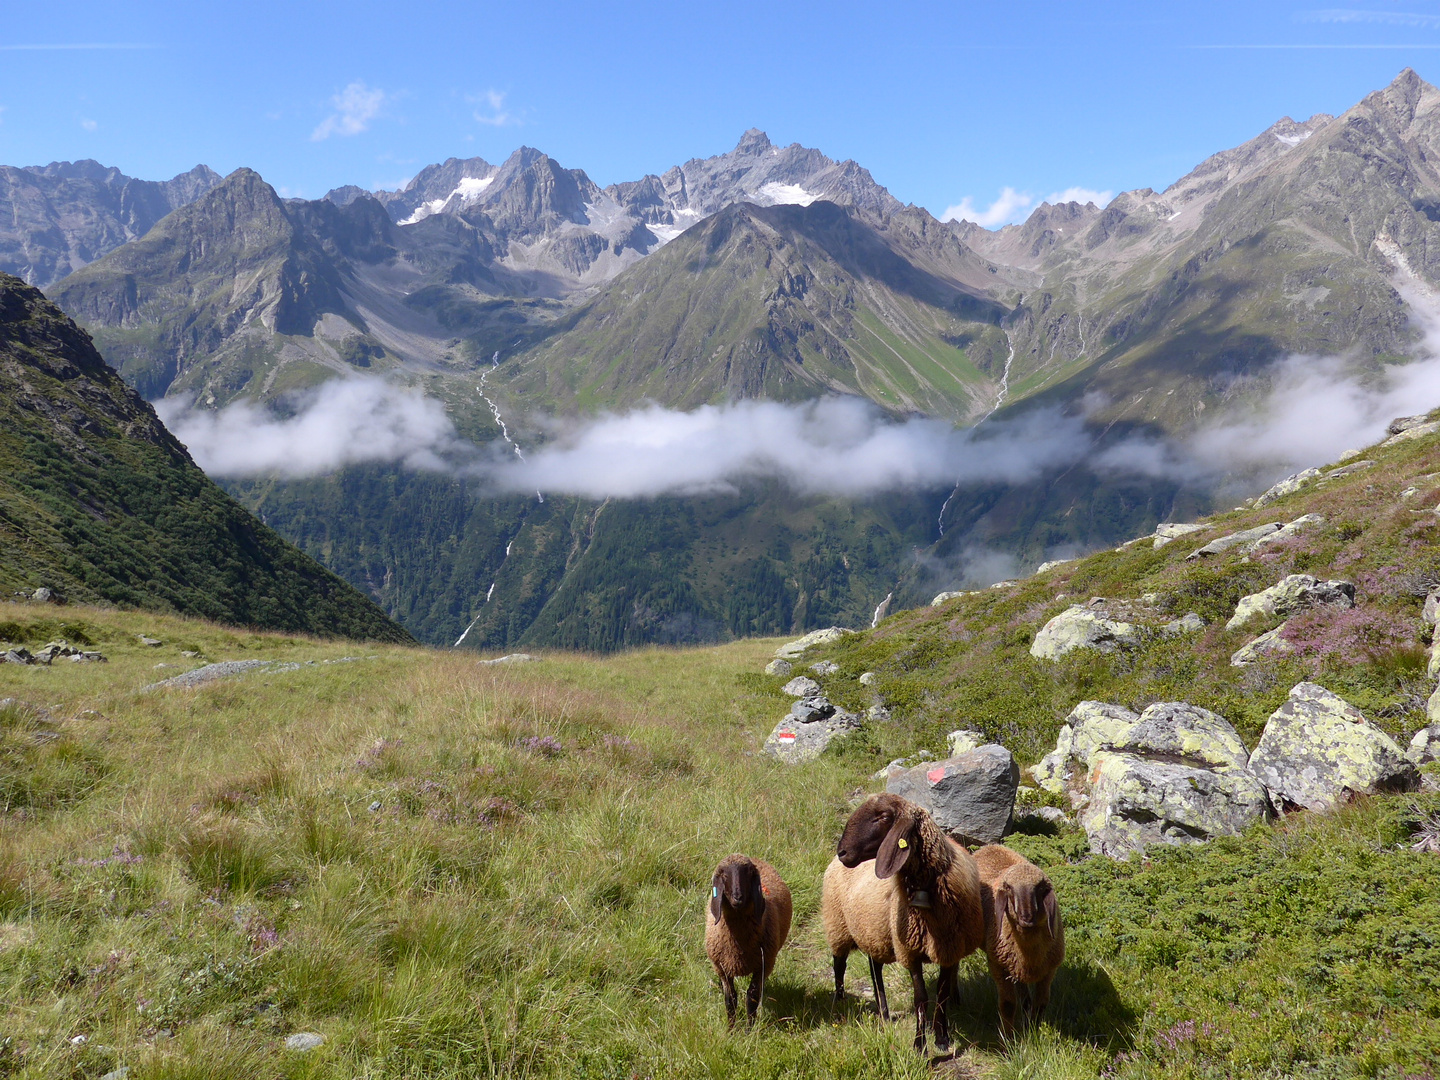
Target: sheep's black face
[
  {"x": 866, "y": 830},
  {"x": 737, "y": 883},
  {"x": 1026, "y": 905}
]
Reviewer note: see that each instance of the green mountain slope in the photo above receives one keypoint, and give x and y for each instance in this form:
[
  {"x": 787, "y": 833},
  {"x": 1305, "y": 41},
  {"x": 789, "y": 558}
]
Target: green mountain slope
[{"x": 100, "y": 503}]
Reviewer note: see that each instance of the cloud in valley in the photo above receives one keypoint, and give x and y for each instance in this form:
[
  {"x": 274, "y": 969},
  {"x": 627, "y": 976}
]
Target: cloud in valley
[
  {"x": 1081, "y": 195},
  {"x": 355, "y": 107}
]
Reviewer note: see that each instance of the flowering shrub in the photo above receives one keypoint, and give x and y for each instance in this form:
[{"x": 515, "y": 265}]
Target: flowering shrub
[
  {"x": 544, "y": 745},
  {"x": 1361, "y": 635}
]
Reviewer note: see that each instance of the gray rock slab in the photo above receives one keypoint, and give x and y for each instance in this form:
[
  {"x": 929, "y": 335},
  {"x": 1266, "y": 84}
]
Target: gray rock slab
[
  {"x": 781, "y": 668},
  {"x": 1318, "y": 750},
  {"x": 1285, "y": 532},
  {"x": 303, "y": 1041},
  {"x": 964, "y": 740},
  {"x": 971, "y": 796},
  {"x": 807, "y": 731},
  {"x": 800, "y": 687},
  {"x": 1267, "y": 645},
  {"x": 1136, "y": 802},
  {"x": 941, "y": 598},
  {"x": 1346, "y": 470},
  {"x": 825, "y": 667},
  {"x": 1235, "y": 539},
  {"x": 1420, "y": 431},
  {"x": 1167, "y": 531},
  {"x": 791, "y": 649},
  {"x": 1080, "y": 627},
  {"x": 510, "y": 658},
  {"x": 1288, "y": 486},
  {"x": 1090, "y": 726},
  {"x": 1425, "y": 745},
  {"x": 1186, "y": 624},
  {"x": 867, "y": 678},
  {"x": 1292, "y": 594},
  {"x": 1184, "y": 734}
]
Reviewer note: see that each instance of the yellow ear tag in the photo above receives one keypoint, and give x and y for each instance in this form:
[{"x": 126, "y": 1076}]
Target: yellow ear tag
[{"x": 902, "y": 843}]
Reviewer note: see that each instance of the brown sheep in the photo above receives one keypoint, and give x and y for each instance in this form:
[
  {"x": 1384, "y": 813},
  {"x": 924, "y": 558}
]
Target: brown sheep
[
  {"x": 918, "y": 901},
  {"x": 746, "y": 926},
  {"x": 1024, "y": 935}
]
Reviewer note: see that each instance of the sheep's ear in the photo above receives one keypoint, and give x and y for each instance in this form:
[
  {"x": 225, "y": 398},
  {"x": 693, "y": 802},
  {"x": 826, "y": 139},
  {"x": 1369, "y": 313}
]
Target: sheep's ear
[
  {"x": 715, "y": 888},
  {"x": 1052, "y": 913},
  {"x": 757, "y": 896},
  {"x": 895, "y": 848},
  {"x": 1007, "y": 899}
]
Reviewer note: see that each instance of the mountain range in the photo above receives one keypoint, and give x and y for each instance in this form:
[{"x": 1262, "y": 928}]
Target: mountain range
[{"x": 778, "y": 273}]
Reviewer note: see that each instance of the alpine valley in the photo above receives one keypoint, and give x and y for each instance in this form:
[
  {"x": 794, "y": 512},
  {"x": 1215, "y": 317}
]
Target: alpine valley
[{"x": 525, "y": 290}]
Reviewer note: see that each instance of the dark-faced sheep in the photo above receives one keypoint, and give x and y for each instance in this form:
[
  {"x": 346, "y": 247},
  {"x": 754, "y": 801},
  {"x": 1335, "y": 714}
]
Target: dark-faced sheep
[
  {"x": 1024, "y": 936},
  {"x": 747, "y": 923},
  {"x": 918, "y": 900}
]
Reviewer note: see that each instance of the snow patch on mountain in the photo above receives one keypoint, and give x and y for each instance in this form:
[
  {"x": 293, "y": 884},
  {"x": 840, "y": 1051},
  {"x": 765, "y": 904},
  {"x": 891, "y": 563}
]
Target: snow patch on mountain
[
  {"x": 1293, "y": 140},
  {"x": 778, "y": 193},
  {"x": 467, "y": 191}
]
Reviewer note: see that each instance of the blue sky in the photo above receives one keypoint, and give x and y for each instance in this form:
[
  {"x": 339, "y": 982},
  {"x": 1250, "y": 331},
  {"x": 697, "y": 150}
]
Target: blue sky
[{"x": 942, "y": 102}]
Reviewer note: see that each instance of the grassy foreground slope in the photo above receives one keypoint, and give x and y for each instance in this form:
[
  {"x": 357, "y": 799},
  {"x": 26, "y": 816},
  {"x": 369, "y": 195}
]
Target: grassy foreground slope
[{"x": 453, "y": 870}]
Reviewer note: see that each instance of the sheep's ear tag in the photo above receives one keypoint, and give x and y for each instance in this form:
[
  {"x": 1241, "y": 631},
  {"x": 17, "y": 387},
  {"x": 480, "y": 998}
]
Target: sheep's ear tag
[
  {"x": 902, "y": 842},
  {"x": 714, "y": 890},
  {"x": 920, "y": 898}
]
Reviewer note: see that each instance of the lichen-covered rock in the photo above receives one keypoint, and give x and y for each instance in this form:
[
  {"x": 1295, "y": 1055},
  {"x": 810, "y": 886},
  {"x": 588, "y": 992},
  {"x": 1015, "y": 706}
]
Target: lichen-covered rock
[
  {"x": 1167, "y": 531},
  {"x": 1432, "y": 707},
  {"x": 1430, "y": 610},
  {"x": 825, "y": 667},
  {"x": 1136, "y": 802},
  {"x": 1186, "y": 624},
  {"x": 1285, "y": 532},
  {"x": 1235, "y": 539},
  {"x": 1080, "y": 627},
  {"x": 791, "y": 649},
  {"x": 964, "y": 740},
  {"x": 1425, "y": 745},
  {"x": 941, "y": 598},
  {"x": 1288, "y": 486},
  {"x": 1290, "y": 595},
  {"x": 1317, "y": 750},
  {"x": 1090, "y": 725},
  {"x": 971, "y": 796},
  {"x": 1185, "y": 734},
  {"x": 800, "y": 687},
  {"x": 1419, "y": 431},
  {"x": 781, "y": 668},
  {"x": 866, "y": 678},
  {"x": 1266, "y": 645},
  {"x": 811, "y": 725}
]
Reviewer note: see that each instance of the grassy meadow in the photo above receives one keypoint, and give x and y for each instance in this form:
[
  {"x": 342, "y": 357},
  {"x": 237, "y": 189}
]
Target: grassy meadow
[{"x": 449, "y": 869}]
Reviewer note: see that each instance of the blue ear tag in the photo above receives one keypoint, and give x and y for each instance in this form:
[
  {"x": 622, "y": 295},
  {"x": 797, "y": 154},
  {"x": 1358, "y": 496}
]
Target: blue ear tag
[{"x": 714, "y": 890}]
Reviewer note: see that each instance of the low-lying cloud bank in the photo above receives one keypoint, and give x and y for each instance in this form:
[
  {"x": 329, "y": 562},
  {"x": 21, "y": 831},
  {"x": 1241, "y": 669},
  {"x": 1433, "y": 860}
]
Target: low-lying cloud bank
[{"x": 1308, "y": 411}]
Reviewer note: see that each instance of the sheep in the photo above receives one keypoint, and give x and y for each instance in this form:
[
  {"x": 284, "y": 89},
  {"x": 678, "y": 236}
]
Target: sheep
[
  {"x": 1024, "y": 935},
  {"x": 919, "y": 900},
  {"x": 747, "y": 924}
]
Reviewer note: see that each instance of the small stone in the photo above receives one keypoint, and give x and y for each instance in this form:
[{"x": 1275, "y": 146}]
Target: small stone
[
  {"x": 878, "y": 714},
  {"x": 42, "y": 595},
  {"x": 1425, "y": 745},
  {"x": 800, "y": 687},
  {"x": 1288, "y": 486},
  {"x": 153, "y": 643},
  {"x": 1188, "y": 624},
  {"x": 1235, "y": 539},
  {"x": 941, "y": 598},
  {"x": 79, "y": 1040},
  {"x": 791, "y": 649},
  {"x": 303, "y": 1041},
  {"x": 191, "y": 653},
  {"x": 510, "y": 658},
  {"x": 375, "y": 806},
  {"x": 116, "y": 1074},
  {"x": 825, "y": 667},
  {"x": 867, "y": 678},
  {"x": 1044, "y": 567},
  {"x": 781, "y": 668},
  {"x": 1285, "y": 532}
]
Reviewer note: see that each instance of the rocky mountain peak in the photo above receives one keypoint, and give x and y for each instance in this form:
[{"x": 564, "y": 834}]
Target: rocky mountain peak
[{"x": 753, "y": 141}]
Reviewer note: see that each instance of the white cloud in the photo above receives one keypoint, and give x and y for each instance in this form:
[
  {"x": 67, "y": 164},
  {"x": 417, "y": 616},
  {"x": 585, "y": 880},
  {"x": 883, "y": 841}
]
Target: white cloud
[
  {"x": 344, "y": 422},
  {"x": 1081, "y": 195},
  {"x": 1007, "y": 208},
  {"x": 87, "y": 124},
  {"x": 355, "y": 107},
  {"x": 492, "y": 109}
]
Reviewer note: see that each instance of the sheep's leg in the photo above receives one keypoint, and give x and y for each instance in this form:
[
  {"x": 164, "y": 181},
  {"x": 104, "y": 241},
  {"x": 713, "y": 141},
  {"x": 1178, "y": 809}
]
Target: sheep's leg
[
  {"x": 877, "y": 980},
  {"x": 922, "y": 1002},
  {"x": 839, "y": 962},
  {"x": 727, "y": 984},
  {"x": 1040, "y": 997},
  {"x": 1006, "y": 989},
  {"x": 946, "y": 987},
  {"x": 753, "y": 995}
]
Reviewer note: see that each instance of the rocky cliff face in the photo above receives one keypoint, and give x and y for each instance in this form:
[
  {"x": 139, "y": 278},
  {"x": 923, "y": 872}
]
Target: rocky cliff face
[{"x": 59, "y": 217}]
